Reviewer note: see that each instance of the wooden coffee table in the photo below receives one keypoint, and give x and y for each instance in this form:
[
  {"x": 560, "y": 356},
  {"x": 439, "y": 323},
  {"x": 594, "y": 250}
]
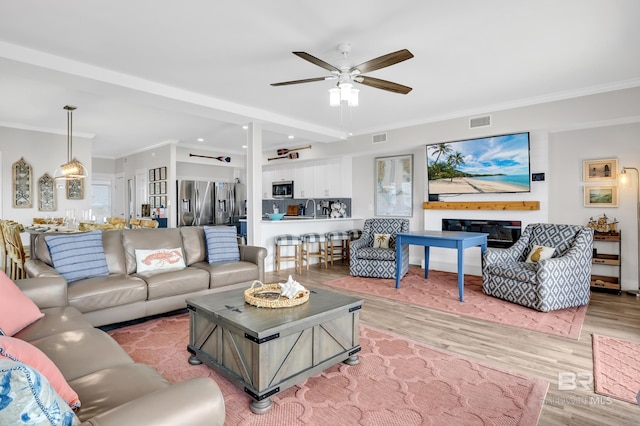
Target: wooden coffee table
[{"x": 265, "y": 351}]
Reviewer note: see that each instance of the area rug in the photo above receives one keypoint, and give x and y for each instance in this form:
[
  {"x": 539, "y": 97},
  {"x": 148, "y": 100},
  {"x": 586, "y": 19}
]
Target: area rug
[
  {"x": 397, "y": 382},
  {"x": 616, "y": 369},
  {"x": 440, "y": 292}
]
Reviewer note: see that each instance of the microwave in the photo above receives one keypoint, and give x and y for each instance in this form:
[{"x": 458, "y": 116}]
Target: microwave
[{"x": 282, "y": 189}]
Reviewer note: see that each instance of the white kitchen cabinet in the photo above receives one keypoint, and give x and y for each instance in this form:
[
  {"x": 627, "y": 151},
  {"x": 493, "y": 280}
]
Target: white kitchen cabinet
[
  {"x": 267, "y": 181},
  {"x": 333, "y": 178},
  {"x": 283, "y": 173},
  {"x": 303, "y": 181}
]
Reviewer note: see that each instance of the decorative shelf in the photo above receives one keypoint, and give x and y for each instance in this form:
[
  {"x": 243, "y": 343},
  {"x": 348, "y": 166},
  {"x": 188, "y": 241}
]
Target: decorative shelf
[{"x": 481, "y": 205}]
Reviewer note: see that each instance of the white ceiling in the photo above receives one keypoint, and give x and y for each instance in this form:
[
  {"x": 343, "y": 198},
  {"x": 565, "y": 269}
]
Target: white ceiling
[{"x": 149, "y": 71}]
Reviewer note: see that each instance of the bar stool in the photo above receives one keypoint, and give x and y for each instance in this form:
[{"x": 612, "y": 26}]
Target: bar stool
[
  {"x": 354, "y": 234},
  {"x": 307, "y": 254},
  {"x": 338, "y": 242},
  {"x": 288, "y": 240}
]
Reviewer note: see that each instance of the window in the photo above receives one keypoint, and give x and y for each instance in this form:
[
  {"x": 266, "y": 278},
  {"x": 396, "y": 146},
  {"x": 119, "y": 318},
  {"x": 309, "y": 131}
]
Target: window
[{"x": 101, "y": 199}]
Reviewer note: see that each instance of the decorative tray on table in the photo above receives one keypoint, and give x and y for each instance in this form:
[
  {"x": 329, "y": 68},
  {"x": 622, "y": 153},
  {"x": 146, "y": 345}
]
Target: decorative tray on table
[{"x": 276, "y": 295}]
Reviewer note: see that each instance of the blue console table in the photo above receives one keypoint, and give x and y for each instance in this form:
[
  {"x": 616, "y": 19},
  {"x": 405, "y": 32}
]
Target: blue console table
[{"x": 445, "y": 239}]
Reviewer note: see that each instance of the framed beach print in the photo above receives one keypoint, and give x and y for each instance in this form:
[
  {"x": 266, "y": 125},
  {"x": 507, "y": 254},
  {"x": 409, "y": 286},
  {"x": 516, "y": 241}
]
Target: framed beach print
[
  {"x": 394, "y": 186},
  {"x": 600, "y": 170},
  {"x": 601, "y": 196},
  {"x": 163, "y": 173},
  {"x": 152, "y": 175}
]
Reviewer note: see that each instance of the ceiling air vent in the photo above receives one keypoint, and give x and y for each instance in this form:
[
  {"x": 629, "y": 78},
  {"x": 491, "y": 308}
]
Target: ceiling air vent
[
  {"x": 379, "y": 138},
  {"x": 483, "y": 121}
]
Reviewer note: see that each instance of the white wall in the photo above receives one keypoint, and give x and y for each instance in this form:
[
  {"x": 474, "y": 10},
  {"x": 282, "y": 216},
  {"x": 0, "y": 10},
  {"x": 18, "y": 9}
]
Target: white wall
[
  {"x": 44, "y": 152},
  {"x": 568, "y": 149}
]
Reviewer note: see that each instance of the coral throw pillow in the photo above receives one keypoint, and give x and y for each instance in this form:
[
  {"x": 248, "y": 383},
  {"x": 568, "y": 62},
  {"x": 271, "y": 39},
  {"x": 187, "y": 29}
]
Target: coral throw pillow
[
  {"x": 18, "y": 350},
  {"x": 16, "y": 310},
  {"x": 381, "y": 240},
  {"x": 156, "y": 260}
]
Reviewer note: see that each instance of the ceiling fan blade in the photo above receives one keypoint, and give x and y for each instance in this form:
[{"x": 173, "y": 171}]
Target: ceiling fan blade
[
  {"x": 383, "y": 84},
  {"x": 383, "y": 61},
  {"x": 306, "y": 80},
  {"x": 316, "y": 61}
]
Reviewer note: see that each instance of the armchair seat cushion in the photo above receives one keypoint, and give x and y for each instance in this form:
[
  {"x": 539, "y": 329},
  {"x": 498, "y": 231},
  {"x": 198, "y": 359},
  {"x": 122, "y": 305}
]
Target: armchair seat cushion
[
  {"x": 520, "y": 271},
  {"x": 371, "y": 253}
]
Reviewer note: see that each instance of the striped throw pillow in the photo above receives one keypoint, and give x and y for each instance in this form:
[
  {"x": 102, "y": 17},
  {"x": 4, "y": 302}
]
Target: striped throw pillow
[
  {"x": 79, "y": 256},
  {"x": 222, "y": 243}
]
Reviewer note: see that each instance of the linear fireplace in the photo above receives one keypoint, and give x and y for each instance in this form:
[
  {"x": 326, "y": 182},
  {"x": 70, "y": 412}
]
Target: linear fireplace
[{"x": 502, "y": 233}]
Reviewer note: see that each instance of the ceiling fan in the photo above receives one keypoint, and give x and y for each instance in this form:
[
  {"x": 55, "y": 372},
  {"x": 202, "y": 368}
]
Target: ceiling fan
[{"x": 350, "y": 75}]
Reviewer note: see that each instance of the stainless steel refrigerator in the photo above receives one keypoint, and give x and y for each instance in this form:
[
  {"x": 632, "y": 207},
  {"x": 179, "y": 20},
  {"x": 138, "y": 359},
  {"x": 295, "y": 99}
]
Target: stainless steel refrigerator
[
  {"x": 229, "y": 202},
  {"x": 195, "y": 203}
]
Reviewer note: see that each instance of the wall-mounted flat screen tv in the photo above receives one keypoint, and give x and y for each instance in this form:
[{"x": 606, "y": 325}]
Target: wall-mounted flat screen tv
[{"x": 490, "y": 165}]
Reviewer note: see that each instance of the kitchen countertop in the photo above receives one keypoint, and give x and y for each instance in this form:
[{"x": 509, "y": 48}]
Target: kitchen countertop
[{"x": 289, "y": 219}]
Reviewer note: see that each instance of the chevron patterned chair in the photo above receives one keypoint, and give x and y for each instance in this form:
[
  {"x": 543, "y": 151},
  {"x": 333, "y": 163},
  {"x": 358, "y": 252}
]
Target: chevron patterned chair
[
  {"x": 524, "y": 275},
  {"x": 377, "y": 262}
]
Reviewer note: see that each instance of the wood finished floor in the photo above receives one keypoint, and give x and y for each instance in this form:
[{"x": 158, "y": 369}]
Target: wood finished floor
[{"x": 520, "y": 351}]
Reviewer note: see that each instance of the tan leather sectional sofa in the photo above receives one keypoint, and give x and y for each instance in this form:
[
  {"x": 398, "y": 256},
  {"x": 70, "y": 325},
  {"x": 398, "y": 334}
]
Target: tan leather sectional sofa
[
  {"x": 112, "y": 388},
  {"x": 126, "y": 294}
]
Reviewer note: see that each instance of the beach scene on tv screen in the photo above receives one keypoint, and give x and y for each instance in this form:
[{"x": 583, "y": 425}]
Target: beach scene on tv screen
[{"x": 486, "y": 165}]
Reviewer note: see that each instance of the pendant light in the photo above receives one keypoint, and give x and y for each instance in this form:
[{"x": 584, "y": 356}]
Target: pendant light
[{"x": 73, "y": 169}]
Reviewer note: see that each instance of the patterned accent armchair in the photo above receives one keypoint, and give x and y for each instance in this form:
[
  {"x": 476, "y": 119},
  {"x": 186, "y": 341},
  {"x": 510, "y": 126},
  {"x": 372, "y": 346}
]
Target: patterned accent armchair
[
  {"x": 563, "y": 281},
  {"x": 367, "y": 261}
]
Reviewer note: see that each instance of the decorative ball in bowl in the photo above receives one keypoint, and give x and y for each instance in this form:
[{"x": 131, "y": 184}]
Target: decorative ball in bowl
[{"x": 275, "y": 216}]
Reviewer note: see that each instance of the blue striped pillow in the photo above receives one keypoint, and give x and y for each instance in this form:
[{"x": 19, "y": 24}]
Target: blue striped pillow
[
  {"x": 222, "y": 243},
  {"x": 77, "y": 257}
]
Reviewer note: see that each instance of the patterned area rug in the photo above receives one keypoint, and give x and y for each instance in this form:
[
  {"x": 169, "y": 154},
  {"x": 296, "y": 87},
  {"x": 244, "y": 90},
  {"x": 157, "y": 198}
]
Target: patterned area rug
[
  {"x": 397, "y": 382},
  {"x": 440, "y": 292},
  {"x": 616, "y": 369}
]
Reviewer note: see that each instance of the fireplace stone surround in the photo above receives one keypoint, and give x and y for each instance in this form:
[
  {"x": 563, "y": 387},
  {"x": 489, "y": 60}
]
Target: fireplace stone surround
[{"x": 502, "y": 233}]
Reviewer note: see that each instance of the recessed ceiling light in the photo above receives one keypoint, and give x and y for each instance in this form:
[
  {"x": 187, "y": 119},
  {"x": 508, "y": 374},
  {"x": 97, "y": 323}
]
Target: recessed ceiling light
[
  {"x": 291, "y": 136},
  {"x": 244, "y": 146},
  {"x": 245, "y": 127},
  {"x": 200, "y": 140}
]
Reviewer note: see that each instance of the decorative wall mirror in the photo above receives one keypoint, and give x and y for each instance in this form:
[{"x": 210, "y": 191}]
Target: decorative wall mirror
[
  {"x": 75, "y": 189},
  {"x": 46, "y": 193},
  {"x": 22, "y": 184}
]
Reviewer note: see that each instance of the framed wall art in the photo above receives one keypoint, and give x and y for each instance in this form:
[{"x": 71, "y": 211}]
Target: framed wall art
[
  {"x": 46, "y": 193},
  {"x": 601, "y": 196},
  {"x": 75, "y": 189},
  {"x": 22, "y": 184},
  {"x": 394, "y": 186},
  {"x": 600, "y": 170}
]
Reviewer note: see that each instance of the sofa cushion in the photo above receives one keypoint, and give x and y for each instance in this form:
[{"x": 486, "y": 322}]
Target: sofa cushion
[
  {"x": 147, "y": 239},
  {"x": 18, "y": 350},
  {"x": 93, "y": 294},
  {"x": 16, "y": 310},
  {"x": 159, "y": 259},
  {"x": 78, "y": 256},
  {"x": 370, "y": 253},
  {"x": 228, "y": 273},
  {"x": 174, "y": 282},
  {"x": 193, "y": 244},
  {"x": 27, "y": 397},
  {"x": 222, "y": 243},
  {"x": 112, "y": 387},
  {"x": 55, "y": 320},
  {"x": 80, "y": 352}
]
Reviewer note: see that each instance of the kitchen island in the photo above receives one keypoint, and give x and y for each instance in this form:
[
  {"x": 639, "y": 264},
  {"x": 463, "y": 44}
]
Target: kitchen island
[{"x": 298, "y": 225}]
